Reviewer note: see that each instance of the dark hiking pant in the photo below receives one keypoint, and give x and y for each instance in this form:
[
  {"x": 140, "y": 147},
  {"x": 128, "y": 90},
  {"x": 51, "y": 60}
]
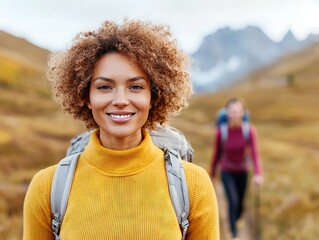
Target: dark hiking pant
[{"x": 235, "y": 186}]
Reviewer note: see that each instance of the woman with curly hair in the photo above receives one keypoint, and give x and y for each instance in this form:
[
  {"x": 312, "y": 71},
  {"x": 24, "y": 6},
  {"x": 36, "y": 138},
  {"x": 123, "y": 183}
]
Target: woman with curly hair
[{"x": 122, "y": 79}]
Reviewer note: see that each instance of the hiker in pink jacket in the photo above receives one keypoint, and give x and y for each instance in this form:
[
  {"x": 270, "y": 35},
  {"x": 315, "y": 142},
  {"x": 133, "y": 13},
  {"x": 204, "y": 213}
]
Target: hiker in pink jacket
[{"x": 236, "y": 143}]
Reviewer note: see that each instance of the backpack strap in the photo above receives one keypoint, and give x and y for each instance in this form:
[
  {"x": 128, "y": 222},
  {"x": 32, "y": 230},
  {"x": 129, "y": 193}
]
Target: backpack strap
[
  {"x": 60, "y": 190},
  {"x": 246, "y": 130},
  {"x": 78, "y": 143},
  {"x": 224, "y": 132},
  {"x": 178, "y": 188}
]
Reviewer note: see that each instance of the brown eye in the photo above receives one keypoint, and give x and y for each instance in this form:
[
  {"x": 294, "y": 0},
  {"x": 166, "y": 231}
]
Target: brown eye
[
  {"x": 104, "y": 87},
  {"x": 136, "y": 87}
]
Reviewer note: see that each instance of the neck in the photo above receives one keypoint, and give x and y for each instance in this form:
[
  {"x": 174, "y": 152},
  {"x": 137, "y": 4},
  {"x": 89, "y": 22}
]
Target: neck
[
  {"x": 124, "y": 143},
  {"x": 121, "y": 162},
  {"x": 235, "y": 123}
]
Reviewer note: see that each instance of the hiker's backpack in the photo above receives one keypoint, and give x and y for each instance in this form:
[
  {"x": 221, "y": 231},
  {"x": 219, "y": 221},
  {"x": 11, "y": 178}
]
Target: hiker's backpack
[
  {"x": 169, "y": 139},
  {"x": 222, "y": 123}
]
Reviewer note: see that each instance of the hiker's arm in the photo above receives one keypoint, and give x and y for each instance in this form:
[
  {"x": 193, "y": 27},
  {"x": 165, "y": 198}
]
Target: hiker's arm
[
  {"x": 36, "y": 212},
  {"x": 203, "y": 217},
  {"x": 255, "y": 152},
  {"x": 217, "y": 148}
]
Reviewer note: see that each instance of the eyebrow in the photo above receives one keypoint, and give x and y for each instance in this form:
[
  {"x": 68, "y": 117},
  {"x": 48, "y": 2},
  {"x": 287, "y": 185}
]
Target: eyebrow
[{"x": 112, "y": 80}]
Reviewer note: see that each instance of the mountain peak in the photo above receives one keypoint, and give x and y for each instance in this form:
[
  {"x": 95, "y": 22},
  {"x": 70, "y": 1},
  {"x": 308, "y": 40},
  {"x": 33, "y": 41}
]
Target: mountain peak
[
  {"x": 289, "y": 37},
  {"x": 250, "y": 46},
  {"x": 224, "y": 29}
]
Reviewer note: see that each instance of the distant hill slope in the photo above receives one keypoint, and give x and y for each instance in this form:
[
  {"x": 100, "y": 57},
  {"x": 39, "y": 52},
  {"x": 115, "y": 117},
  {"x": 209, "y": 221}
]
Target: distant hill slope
[
  {"x": 290, "y": 69},
  {"x": 22, "y": 50},
  {"x": 22, "y": 65}
]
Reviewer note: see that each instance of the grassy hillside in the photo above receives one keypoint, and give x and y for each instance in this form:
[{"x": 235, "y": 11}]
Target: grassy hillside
[
  {"x": 33, "y": 132},
  {"x": 287, "y": 120},
  {"x": 282, "y": 100}
]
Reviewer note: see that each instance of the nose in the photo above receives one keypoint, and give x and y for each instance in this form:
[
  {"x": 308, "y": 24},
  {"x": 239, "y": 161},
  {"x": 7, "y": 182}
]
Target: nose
[{"x": 120, "y": 98}]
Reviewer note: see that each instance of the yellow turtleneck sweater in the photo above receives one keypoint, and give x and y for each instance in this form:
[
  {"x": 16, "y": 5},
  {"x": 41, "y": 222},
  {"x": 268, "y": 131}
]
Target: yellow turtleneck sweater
[{"x": 121, "y": 195}]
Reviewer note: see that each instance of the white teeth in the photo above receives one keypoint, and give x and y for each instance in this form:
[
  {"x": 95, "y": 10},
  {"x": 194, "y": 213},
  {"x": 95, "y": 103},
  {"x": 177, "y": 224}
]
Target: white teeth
[{"x": 120, "y": 116}]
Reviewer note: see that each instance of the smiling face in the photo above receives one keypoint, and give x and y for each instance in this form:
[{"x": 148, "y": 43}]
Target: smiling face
[{"x": 120, "y": 99}]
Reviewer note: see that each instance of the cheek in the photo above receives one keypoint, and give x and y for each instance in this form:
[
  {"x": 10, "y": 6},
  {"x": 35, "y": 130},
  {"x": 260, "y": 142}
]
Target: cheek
[
  {"x": 97, "y": 100},
  {"x": 144, "y": 103}
]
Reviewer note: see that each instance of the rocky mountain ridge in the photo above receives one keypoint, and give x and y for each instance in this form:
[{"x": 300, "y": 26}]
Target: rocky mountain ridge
[{"x": 227, "y": 55}]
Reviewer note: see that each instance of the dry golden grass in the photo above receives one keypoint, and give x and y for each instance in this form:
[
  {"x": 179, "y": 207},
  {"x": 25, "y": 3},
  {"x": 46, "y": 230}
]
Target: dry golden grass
[
  {"x": 29, "y": 144},
  {"x": 21, "y": 77}
]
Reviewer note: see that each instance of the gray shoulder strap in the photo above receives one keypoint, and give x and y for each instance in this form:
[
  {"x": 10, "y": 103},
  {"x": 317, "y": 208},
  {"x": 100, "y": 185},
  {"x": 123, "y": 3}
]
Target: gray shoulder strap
[
  {"x": 246, "y": 130},
  {"x": 78, "y": 143},
  {"x": 60, "y": 190},
  {"x": 178, "y": 188},
  {"x": 224, "y": 132}
]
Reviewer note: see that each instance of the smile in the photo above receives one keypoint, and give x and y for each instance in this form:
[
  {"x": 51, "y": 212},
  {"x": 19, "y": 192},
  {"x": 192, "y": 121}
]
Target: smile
[{"x": 120, "y": 116}]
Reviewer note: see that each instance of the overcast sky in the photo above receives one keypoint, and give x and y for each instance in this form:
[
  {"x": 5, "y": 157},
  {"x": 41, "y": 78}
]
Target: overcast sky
[{"x": 53, "y": 23}]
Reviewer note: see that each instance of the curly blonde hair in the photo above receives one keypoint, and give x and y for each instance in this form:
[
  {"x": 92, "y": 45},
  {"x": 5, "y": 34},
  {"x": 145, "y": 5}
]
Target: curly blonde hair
[{"x": 148, "y": 45}]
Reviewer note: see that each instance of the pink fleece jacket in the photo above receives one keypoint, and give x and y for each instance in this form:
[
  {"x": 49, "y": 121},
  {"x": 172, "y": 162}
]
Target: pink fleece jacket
[{"x": 233, "y": 154}]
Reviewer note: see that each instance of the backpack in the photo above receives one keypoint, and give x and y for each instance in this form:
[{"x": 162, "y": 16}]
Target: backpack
[
  {"x": 169, "y": 139},
  {"x": 222, "y": 123}
]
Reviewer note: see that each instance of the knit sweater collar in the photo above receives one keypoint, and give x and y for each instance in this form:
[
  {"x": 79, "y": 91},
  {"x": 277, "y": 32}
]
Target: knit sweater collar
[{"x": 120, "y": 162}]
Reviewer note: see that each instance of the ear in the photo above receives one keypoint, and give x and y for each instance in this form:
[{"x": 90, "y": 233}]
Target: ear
[
  {"x": 151, "y": 103},
  {"x": 89, "y": 105}
]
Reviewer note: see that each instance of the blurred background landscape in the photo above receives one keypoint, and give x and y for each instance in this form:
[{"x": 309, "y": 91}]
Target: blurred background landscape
[
  {"x": 282, "y": 98},
  {"x": 278, "y": 79}
]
